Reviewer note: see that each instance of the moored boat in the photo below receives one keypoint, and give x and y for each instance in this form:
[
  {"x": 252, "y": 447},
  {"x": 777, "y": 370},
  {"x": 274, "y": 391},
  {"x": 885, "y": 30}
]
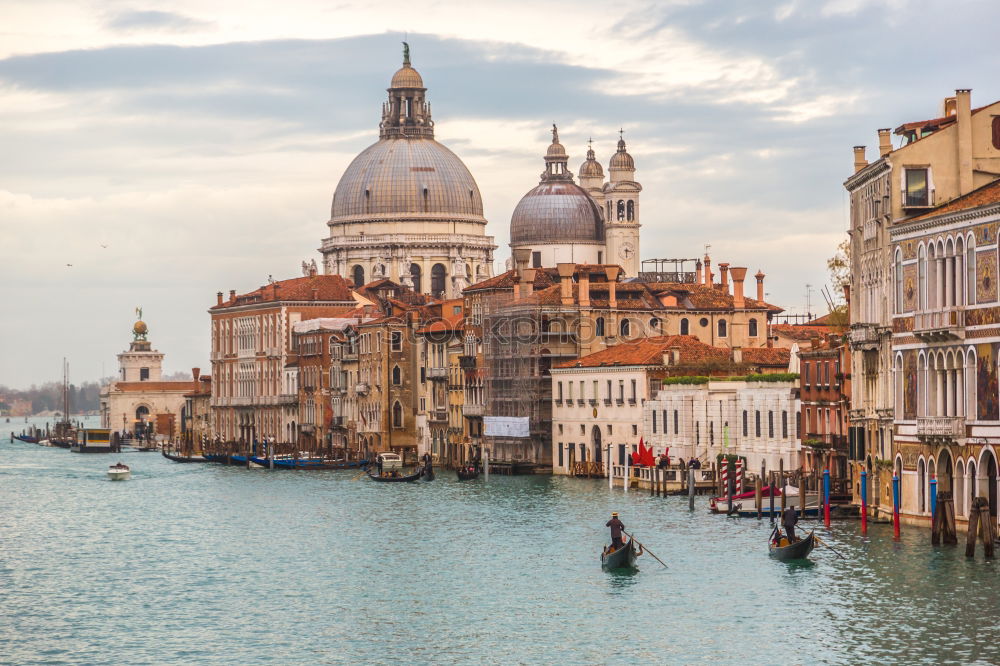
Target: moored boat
[
  {"x": 798, "y": 550},
  {"x": 467, "y": 473},
  {"x": 312, "y": 463},
  {"x": 620, "y": 558},
  {"x": 183, "y": 459},
  {"x": 119, "y": 472},
  {"x": 27, "y": 438},
  {"x": 216, "y": 457}
]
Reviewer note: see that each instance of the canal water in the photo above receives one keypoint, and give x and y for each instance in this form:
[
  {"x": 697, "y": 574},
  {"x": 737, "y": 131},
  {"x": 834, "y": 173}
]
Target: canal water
[{"x": 198, "y": 563}]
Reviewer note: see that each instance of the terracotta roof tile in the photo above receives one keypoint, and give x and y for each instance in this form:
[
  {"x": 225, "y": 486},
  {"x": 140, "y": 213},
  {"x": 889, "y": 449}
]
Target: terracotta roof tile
[
  {"x": 803, "y": 332},
  {"x": 649, "y": 351},
  {"x": 983, "y": 196},
  {"x": 769, "y": 356},
  {"x": 327, "y": 288}
]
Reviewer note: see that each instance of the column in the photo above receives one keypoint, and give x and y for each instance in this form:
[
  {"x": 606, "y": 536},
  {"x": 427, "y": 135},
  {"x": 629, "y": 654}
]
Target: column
[
  {"x": 960, "y": 391},
  {"x": 960, "y": 289},
  {"x": 949, "y": 281},
  {"x": 939, "y": 390},
  {"x": 938, "y": 283}
]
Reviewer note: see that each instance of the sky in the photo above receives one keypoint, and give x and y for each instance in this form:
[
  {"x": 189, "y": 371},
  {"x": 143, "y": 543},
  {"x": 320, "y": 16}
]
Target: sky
[{"x": 154, "y": 153}]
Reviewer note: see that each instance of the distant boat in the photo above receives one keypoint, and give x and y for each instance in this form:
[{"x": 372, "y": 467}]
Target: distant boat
[
  {"x": 184, "y": 459},
  {"x": 27, "y": 438},
  {"x": 621, "y": 558},
  {"x": 288, "y": 462},
  {"x": 119, "y": 472},
  {"x": 467, "y": 473},
  {"x": 216, "y": 457},
  {"x": 396, "y": 479}
]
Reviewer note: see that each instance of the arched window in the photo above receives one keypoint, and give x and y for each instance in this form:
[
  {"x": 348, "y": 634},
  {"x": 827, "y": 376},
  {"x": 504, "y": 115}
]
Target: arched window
[
  {"x": 438, "y": 280},
  {"x": 630, "y": 210},
  {"x": 722, "y": 328},
  {"x": 899, "y": 282},
  {"x": 922, "y": 279},
  {"x": 752, "y": 328},
  {"x": 142, "y": 413},
  {"x": 397, "y": 376},
  {"x": 970, "y": 271},
  {"x": 359, "y": 276},
  {"x": 654, "y": 323},
  {"x": 397, "y": 415},
  {"x": 415, "y": 276},
  {"x": 599, "y": 326},
  {"x": 624, "y": 328},
  {"x": 685, "y": 327},
  {"x": 922, "y": 483},
  {"x": 621, "y": 210}
]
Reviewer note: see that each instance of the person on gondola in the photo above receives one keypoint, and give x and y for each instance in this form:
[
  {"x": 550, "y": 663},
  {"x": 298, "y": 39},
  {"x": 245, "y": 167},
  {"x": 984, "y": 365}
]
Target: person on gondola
[
  {"x": 789, "y": 519},
  {"x": 617, "y": 527}
]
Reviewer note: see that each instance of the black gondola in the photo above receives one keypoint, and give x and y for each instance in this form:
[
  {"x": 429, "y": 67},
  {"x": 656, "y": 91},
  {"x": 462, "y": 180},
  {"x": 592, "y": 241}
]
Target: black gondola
[
  {"x": 397, "y": 479},
  {"x": 27, "y": 438},
  {"x": 622, "y": 558},
  {"x": 184, "y": 459},
  {"x": 795, "y": 551},
  {"x": 467, "y": 473},
  {"x": 217, "y": 457}
]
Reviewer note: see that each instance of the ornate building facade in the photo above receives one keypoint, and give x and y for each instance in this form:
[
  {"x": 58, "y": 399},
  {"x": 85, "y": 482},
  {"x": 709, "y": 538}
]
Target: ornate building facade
[
  {"x": 595, "y": 222},
  {"x": 407, "y": 208}
]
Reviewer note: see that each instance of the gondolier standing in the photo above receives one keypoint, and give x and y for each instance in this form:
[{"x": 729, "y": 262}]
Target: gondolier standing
[
  {"x": 617, "y": 527},
  {"x": 789, "y": 519}
]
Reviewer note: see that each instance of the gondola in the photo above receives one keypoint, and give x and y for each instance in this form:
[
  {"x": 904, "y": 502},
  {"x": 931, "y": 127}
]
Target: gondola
[
  {"x": 467, "y": 474},
  {"x": 396, "y": 479},
  {"x": 27, "y": 438},
  {"x": 623, "y": 558},
  {"x": 184, "y": 459},
  {"x": 796, "y": 551},
  {"x": 427, "y": 474},
  {"x": 216, "y": 457},
  {"x": 308, "y": 463}
]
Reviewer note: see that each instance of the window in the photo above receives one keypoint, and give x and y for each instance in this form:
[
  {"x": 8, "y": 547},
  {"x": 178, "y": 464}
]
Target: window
[
  {"x": 770, "y": 424},
  {"x": 970, "y": 269},
  {"x": 359, "y": 276},
  {"x": 396, "y": 376},
  {"x": 798, "y": 424},
  {"x": 609, "y": 391},
  {"x": 654, "y": 420},
  {"x": 784, "y": 425},
  {"x": 654, "y": 323},
  {"x": 599, "y": 326},
  {"x": 806, "y": 367},
  {"x": 630, "y": 210},
  {"x": 635, "y": 429},
  {"x": 560, "y": 428},
  {"x": 722, "y": 328},
  {"x": 685, "y": 328},
  {"x": 582, "y": 396},
  {"x": 624, "y": 328},
  {"x": 438, "y": 279},
  {"x": 569, "y": 389},
  {"x": 746, "y": 423},
  {"x": 916, "y": 188},
  {"x": 415, "y": 274},
  {"x": 600, "y": 257},
  {"x": 560, "y": 454},
  {"x": 675, "y": 422},
  {"x": 703, "y": 322},
  {"x": 752, "y": 328},
  {"x": 143, "y": 374},
  {"x": 536, "y": 259},
  {"x": 899, "y": 281},
  {"x": 633, "y": 398},
  {"x": 397, "y": 415},
  {"x": 396, "y": 340},
  {"x": 757, "y": 422},
  {"x": 621, "y": 390},
  {"x": 560, "y": 392}
]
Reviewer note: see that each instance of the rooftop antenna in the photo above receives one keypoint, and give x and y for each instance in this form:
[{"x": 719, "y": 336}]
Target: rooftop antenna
[
  {"x": 827, "y": 298},
  {"x": 808, "y": 299}
]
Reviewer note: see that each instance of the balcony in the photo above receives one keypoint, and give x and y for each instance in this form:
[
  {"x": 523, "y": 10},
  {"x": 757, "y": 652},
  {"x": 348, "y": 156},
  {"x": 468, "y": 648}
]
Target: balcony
[
  {"x": 216, "y": 356},
  {"x": 361, "y": 388},
  {"x": 467, "y": 362},
  {"x": 438, "y": 415},
  {"x": 273, "y": 352},
  {"x": 940, "y": 325},
  {"x": 941, "y": 429},
  {"x": 437, "y": 373},
  {"x": 473, "y": 410},
  {"x": 864, "y": 336},
  {"x": 337, "y": 422},
  {"x": 287, "y": 399}
]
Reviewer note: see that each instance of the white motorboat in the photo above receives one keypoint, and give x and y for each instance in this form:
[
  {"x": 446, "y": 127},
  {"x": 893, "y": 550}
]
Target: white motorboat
[{"x": 119, "y": 472}]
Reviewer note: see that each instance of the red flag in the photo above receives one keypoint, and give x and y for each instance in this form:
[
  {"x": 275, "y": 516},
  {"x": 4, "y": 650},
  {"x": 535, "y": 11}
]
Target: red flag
[{"x": 647, "y": 454}]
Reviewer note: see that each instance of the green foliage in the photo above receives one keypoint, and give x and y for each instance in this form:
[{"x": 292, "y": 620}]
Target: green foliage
[
  {"x": 694, "y": 379},
  {"x": 700, "y": 379},
  {"x": 776, "y": 377}
]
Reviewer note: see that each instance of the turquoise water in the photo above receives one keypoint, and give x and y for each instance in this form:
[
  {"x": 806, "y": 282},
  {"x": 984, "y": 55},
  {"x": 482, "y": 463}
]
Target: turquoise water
[{"x": 208, "y": 564}]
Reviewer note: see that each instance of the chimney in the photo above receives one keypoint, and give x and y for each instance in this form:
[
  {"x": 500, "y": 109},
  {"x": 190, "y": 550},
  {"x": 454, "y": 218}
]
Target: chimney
[
  {"x": 528, "y": 286},
  {"x": 218, "y": 298},
  {"x": 737, "y": 354},
  {"x": 860, "y": 162},
  {"x": 666, "y": 357},
  {"x": 566, "y": 282},
  {"x": 585, "y": 287},
  {"x": 675, "y": 355},
  {"x": 612, "y": 273},
  {"x": 315, "y": 294},
  {"x": 697, "y": 272},
  {"x": 884, "y": 142},
  {"x": 739, "y": 274},
  {"x": 708, "y": 271},
  {"x": 195, "y": 372},
  {"x": 232, "y": 294},
  {"x": 963, "y": 112},
  {"x": 724, "y": 276},
  {"x": 760, "y": 286}
]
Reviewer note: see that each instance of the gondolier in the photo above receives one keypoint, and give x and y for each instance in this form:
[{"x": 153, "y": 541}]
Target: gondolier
[
  {"x": 617, "y": 527},
  {"x": 789, "y": 519}
]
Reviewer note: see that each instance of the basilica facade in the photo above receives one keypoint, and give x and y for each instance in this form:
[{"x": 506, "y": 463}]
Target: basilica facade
[{"x": 407, "y": 208}]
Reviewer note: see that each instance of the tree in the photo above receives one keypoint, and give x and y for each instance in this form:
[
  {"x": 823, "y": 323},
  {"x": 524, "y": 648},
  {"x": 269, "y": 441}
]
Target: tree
[{"x": 839, "y": 266}]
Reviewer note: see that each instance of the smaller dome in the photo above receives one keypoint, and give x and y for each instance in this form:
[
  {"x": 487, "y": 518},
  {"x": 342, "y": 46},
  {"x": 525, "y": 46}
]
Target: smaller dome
[
  {"x": 406, "y": 77},
  {"x": 556, "y": 212},
  {"x": 621, "y": 159},
  {"x": 591, "y": 168}
]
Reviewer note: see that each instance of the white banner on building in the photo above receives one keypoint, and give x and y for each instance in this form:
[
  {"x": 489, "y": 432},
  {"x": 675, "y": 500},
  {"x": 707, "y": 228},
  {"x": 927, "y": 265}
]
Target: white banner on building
[{"x": 506, "y": 426}]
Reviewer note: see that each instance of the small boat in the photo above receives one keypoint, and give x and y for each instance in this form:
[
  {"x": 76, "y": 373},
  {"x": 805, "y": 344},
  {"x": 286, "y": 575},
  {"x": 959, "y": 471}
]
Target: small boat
[
  {"x": 27, "y": 438},
  {"x": 287, "y": 462},
  {"x": 740, "y": 510},
  {"x": 216, "y": 457},
  {"x": 427, "y": 473},
  {"x": 387, "y": 476},
  {"x": 794, "y": 551},
  {"x": 622, "y": 558},
  {"x": 748, "y": 501},
  {"x": 183, "y": 459},
  {"x": 467, "y": 473},
  {"x": 119, "y": 472}
]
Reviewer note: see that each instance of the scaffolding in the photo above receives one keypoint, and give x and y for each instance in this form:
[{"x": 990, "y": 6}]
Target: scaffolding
[{"x": 669, "y": 270}]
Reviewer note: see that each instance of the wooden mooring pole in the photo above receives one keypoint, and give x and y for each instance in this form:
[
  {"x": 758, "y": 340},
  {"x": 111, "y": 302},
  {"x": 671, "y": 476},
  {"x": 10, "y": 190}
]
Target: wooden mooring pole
[
  {"x": 980, "y": 524},
  {"x": 784, "y": 484},
  {"x": 690, "y": 489},
  {"x": 759, "y": 492}
]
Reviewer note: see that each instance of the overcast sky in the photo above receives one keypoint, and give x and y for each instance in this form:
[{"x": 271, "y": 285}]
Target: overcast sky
[{"x": 170, "y": 150}]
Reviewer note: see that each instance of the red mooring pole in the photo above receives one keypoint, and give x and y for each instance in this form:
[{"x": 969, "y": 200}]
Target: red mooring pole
[
  {"x": 895, "y": 508},
  {"x": 864, "y": 502}
]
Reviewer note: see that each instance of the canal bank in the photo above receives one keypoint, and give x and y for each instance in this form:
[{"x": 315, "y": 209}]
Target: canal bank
[{"x": 208, "y": 564}]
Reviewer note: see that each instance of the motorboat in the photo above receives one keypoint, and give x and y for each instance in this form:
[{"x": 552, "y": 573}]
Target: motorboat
[{"x": 119, "y": 472}]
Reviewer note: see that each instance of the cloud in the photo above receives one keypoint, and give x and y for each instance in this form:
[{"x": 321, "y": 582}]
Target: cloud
[{"x": 140, "y": 20}]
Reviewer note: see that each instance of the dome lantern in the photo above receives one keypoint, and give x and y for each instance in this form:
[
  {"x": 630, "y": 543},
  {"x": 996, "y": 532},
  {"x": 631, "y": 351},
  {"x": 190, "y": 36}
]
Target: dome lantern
[{"x": 407, "y": 113}]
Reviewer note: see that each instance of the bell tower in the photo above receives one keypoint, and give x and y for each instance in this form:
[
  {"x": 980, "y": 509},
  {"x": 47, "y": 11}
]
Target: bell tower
[
  {"x": 621, "y": 211},
  {"x": 141, "y": 363}
]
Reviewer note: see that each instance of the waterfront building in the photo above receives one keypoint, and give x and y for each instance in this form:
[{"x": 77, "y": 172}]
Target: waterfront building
[
  {"x": 407, "y": 208},
  {"x": 440, "y": 346},
  {"x": 754, "y": 418},
  {"x": 254, "y": 389},
  {"x": 140, "y": 398},
  {"x": 945, "y": 344},
  {"x": 197, "y": 424},
  {"x": 595, "y": 222},
  {"x": 940, "y": 159},
  {"x": 825, "y": 393}
]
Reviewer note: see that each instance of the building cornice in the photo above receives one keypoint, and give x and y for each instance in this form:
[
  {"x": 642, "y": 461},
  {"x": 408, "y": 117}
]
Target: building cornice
[
  {"x": 870, "y": 172},
  {"x": 902, "y": 230}
]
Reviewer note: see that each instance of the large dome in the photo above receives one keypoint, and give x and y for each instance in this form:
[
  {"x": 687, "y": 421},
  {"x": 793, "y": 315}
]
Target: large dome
[
  {"x": 409, "y": 178},
  {"x": 556, "y": 211}
]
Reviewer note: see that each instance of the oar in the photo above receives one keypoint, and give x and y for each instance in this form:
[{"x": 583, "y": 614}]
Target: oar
[
  {"x": 360, "y": 474},
  {"x": 824, "y": 543},
  {"x": 644, "y": 549}
]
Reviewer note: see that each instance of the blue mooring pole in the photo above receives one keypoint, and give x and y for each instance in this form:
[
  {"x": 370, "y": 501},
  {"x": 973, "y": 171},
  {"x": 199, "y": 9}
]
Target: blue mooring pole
[
  {"x": 933, "y": 499},
  {"x": 826, "y": 497},
  {"x": 864, "y": 502}
]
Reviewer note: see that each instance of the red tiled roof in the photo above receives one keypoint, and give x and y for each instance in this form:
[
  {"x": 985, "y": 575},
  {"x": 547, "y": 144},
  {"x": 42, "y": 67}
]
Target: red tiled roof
[
  {"x": 327, "y": 288},
  {"x": 982, "y": 196},
  {"x": 706, "y": 297},
  {"x": 649, "y": 351},
  {"x": 140, "y": 387},
  {"x": 770, "y": 356},
  {"x": 803, "y": 332},
  {"x": 543, "y": 278}
]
